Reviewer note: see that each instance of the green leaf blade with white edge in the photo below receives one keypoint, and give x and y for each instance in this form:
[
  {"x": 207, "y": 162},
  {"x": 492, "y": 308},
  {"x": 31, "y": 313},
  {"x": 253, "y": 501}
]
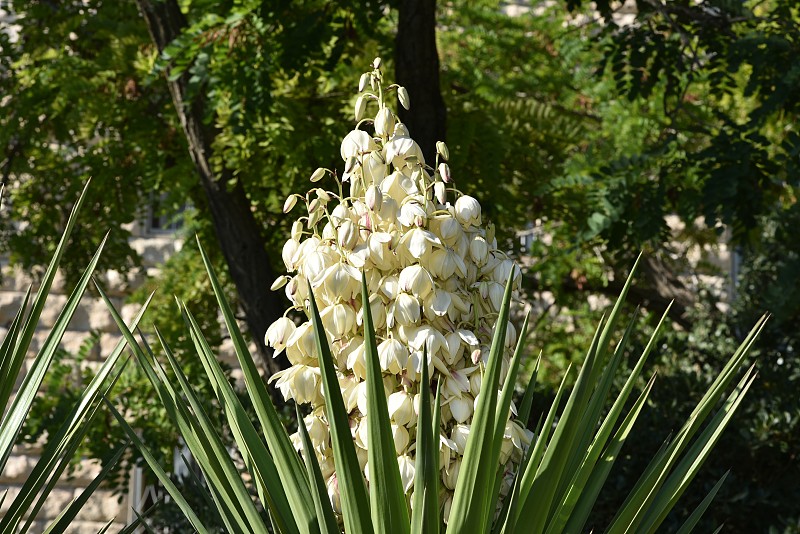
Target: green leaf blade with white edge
[
  {"x": 287, "y": 461},
  {"x": 468, "y": 513},
  {"x": 425, "y": 514},
  {"x": 352, "y": 487},
  {"x": 387, "y": 496},
  {"x": 322, "y": 504}
]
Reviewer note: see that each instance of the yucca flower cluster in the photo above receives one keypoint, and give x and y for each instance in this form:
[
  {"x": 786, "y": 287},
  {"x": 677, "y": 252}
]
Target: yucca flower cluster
[{"x": 435, "y": 277}]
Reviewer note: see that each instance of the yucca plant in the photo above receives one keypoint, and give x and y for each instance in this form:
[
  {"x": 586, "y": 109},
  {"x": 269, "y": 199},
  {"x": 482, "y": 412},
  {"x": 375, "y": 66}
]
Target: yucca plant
[
  {"x": 62, "y": 445},
  {"x": 394, "y": 261}
]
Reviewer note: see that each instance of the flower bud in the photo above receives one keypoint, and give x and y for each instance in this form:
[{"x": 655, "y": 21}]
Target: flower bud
[
  {"x": 291, "y": 200},
  {"x": 318, "y": 175},
  {"x": 279, "y": 282},
  {"x": 401, "y": 438},
  {"x": 440, "y": 192},
  {"x": 347, "y": 235},
  {"x": 297, "y": 230},
  {"x": 374, "y": 198},
  {"x": 384, "y": 122},
  {"x": 442, "y": 150},
  {"x": 402, "y": 96},
  {"x": 363, "y": 81},
  {"x": 444, "y": 172},
  {"x": 361, "y": 107},
  {"x": 376, "y": 63}
]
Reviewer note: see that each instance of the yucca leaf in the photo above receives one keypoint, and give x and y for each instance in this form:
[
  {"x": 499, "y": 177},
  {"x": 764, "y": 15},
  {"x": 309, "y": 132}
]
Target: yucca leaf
[
  {"x": 502, "y": 417},
  {"x": 12, "y": 422},
  {"x": 218, "y": 466},
  {"x": 206, "y": 448},
  {"x": 61, "y": 450},
  {"x": 524, "y": 414},
  {"x": 290, "y": 468},
  {"x": 106, "y": 527},
  {"x": 254, "y": 452},
  {"x": 469, "y": 513},
  {"x": 648, "y": 486},
  {"x": 159, "y": 472},
  {"x": 65, "y": 518},
  {"x": 694, "y": 517},
  {"x": 352, "y": 488},
  {"x": 589, "y": 481},
  {"x": 425, "y": 514},
  {"x": 565, "y": 512},
  {"x": 10, "y": 361},
  {"x": 387, "y": 498},
  {"x": 695, "y": 456},
  {"x": 322, "y": 503},
  {"x": 539, "y": 492},
  {"x": 29, "y": 326},
  {"x": 504, "y": 523}
]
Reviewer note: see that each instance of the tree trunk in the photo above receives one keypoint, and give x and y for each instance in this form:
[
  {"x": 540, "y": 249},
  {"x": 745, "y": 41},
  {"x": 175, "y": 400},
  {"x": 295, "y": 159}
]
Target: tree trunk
[
  {"x": 417, "y": 69},
  {"x": 236, "y": 229}
]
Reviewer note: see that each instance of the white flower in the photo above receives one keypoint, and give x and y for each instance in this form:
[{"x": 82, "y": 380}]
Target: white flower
[
  {"x": 384, "y": 122},
  {"x": 401, "y": 408},
  {"x": 406, "y": 465},
  {"x": 468, "y": 211},
  {"x": 356, "y": 143},
  {"x": 278, "y": 334},
  {"x": 393, "y": 356}
]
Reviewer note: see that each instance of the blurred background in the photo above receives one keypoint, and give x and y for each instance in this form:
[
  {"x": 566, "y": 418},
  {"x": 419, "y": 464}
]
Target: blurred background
[{"x": 589, "y": 131}]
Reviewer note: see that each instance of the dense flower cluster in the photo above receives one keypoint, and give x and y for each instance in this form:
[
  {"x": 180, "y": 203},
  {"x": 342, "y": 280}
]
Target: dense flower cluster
[{"x": 435, "y": 278}]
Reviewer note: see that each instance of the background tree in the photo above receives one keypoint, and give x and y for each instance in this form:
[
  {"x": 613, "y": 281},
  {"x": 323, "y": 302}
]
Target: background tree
[{"x": 586, "y": 132}]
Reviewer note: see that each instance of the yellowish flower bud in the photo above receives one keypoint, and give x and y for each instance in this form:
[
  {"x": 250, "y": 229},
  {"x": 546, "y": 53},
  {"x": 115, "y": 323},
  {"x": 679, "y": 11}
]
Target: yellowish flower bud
[
  {"x": 402, "y": 96},
  {"x": 289, "y": 203},
  {"x": 384, "y": 122},
  {"x": 318, "y": 175},
  {"x": 442, "y": 150}
]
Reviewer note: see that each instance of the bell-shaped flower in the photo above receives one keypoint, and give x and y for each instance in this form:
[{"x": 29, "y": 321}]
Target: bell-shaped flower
[
  {"x": 445, "y": 263},
  {"x": 416, "y": 244},
  {"x": 405, "y": 310},
  {"x": 468, "y": 211},
  {"x": 411, "y": 214},
  {"x": 380, "y": 255},
  {"x": 401, "y": 408},
  {"x": 401, "y": 438},
  {"x": 478, "y": 250},
  {"x": 338, "y": 320},
  {"x": 333, "y": 494},
  {"x": 384, "y": 122},
  {"x": 356, "y": 143},
  {"x": 447, "y": 228},
  {"x": 377, "y": 310},
  {"x": 416, "y": 280},
  {"x": 460, "y": 435},
  {"x": 401, "y": 151},
  {"x": 461, "y": 408},
  {"x": 406, "y": 465},
  {"x": 278, "y": 334},
  {"x": 298, "y": 382},
  {"x": 392, "y": 355},
  {"x": 451, "y": 474},
  {"x": 398, "y": 186},
  {"x": 339, "y": 281},
  {"x": 288, "y": 254}
]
